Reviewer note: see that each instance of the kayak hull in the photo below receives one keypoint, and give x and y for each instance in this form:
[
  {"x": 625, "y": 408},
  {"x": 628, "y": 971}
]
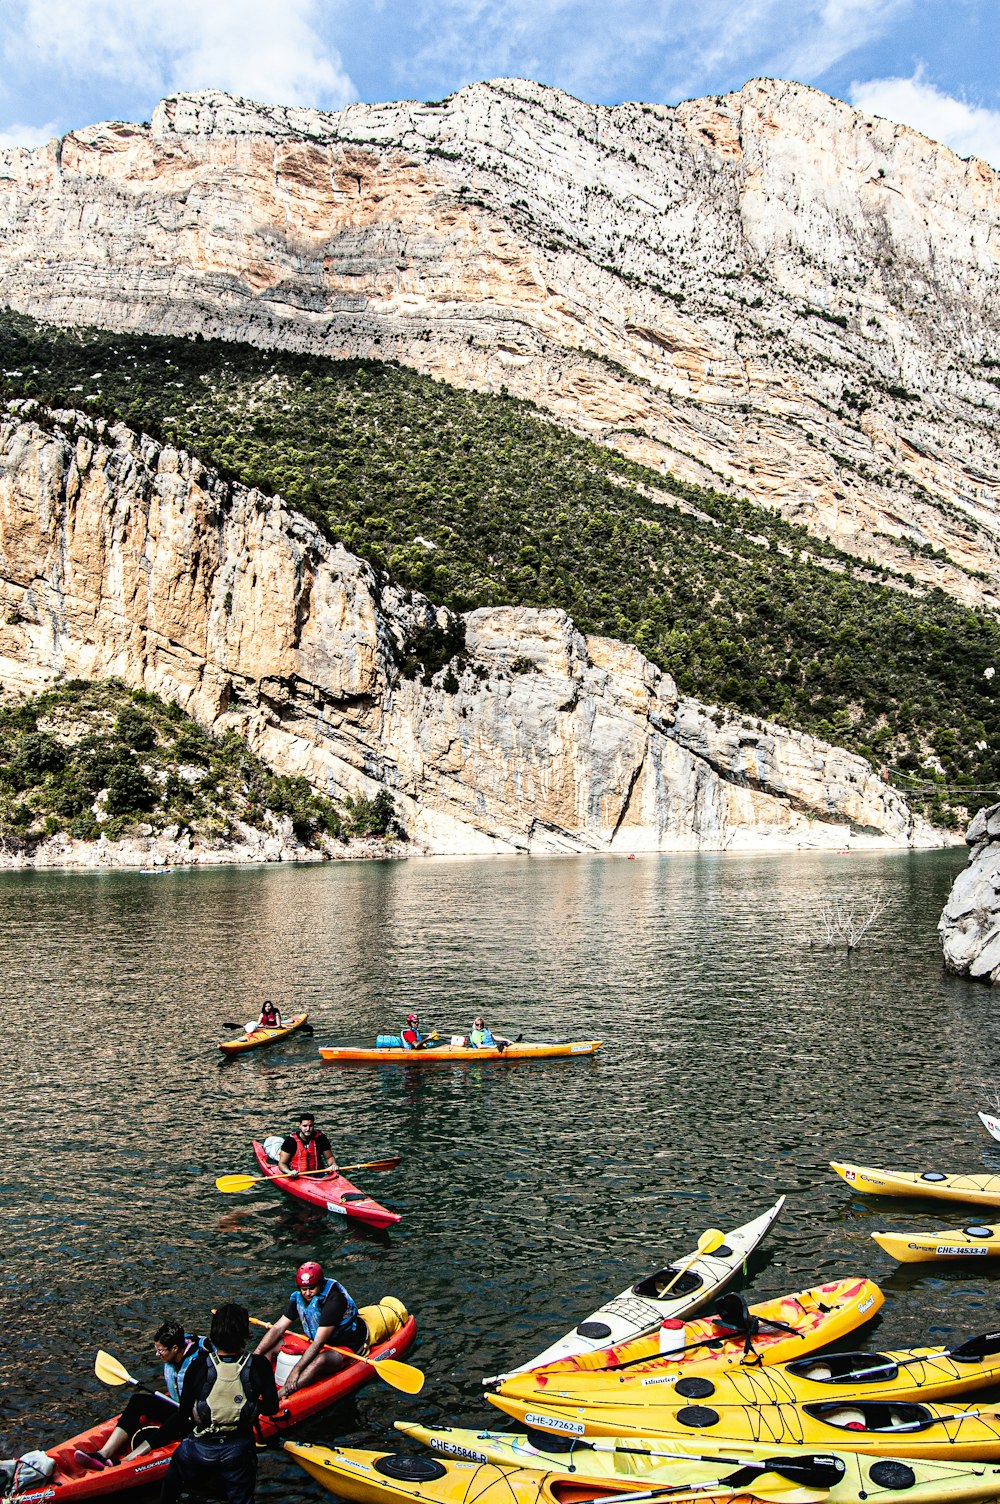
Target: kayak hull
[
  {"x": 637, "y": 1311},
  {"x": 643, "y": 1462},
  {"x": 976, "y": 1190},
  {"x": 70, "y": 1482},
  {"x": 816, "y": 1317},
  {"x": 448, "y": 1054},
  {"x": 975, "y": 1242},
  {"x": 261, "y": 1038},
  {"x": 334, "y": 1193},
  {"x": 991, "y": 1124}
]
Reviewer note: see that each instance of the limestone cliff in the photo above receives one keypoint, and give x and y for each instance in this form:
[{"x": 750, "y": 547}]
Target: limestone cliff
[
  {"x": 766, "y": 290},
  {"x": 970, "y": 924},
  {"x": 119, "y": 557}
]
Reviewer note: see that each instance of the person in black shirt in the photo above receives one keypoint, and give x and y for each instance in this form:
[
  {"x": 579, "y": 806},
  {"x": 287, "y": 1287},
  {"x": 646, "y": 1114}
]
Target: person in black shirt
[
  {"x": 305, "y": 1149},
  {"x": 222, "y": 1396},
  {"x": 329, "y": 1318}
]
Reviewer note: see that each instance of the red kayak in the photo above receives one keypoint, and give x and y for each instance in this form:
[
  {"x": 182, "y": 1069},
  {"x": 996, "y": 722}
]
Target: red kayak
[
  {"x": 333, "y": 1192},
  {"x": 71, "y": 1481}
]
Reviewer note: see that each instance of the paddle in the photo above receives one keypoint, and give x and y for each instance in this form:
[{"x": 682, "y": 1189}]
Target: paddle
[
  {"x": 306, "y": 1028},
  {"x": 230, "y": 1183},
  {"x": 709, "y": 1241},
  {"x": 400, "y": 1375},
  {"x": 972, "y": 1348},
  {"x": 811, "y": 1471},
  {"x": 110, "y": 1371}
]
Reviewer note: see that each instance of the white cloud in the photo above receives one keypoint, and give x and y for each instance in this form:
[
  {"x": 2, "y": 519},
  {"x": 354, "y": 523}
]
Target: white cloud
[
  {"x": 970, "y": 130},
  {"x": 658, "y": 50},
  {"x": 270, "y": 50},
  {"x": 28, "y": 135}
]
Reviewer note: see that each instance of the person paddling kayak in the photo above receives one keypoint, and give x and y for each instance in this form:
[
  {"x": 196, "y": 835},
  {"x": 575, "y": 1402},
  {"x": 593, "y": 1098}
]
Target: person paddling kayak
[
  {"x": 412, "y": 1037},
  {"x": 270, "y": 1018},
  {"x": 176, "y": 1350},
  {"x": 329, "y": 1317},
  {"x": 305, "y": 1149}
]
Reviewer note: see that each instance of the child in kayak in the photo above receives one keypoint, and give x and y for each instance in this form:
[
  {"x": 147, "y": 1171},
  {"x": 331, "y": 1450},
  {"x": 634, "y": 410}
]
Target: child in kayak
[
  {"x": 329, "y": 1317},
  {"x": 305, "y": 1149},
  {"x": 176, "y": 1351}
]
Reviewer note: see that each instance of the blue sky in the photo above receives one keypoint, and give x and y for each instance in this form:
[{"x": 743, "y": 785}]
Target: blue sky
[{"x": 933, "y": 64}]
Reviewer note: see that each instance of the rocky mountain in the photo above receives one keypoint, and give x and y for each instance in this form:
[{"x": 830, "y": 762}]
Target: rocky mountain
[
  {"x": 767, "y": 290},
  {"x": 970, "y": 924},
  {"x": 119, "y": 557}
]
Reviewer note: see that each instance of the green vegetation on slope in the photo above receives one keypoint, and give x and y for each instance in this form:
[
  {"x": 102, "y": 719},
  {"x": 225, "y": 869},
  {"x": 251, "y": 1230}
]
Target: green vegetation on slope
[
  {"x": 147, "y": 766},
  {"x": 479, "y": 500}
]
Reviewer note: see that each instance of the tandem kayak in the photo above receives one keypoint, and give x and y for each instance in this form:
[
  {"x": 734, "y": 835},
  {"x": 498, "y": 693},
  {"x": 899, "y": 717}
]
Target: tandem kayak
[
  {"x": 262, "y": 1036},
  {"x": 649, "y": 1463},
  {"x": 636, "y": 1373},
  {"x": 641, "y": 1308},
  {"x": 977, "y": 1190},
  {"x": 977, "y": 1241},
  {"x": 452, "y": 1054},
  {"x": 333, "y": 1192},
  {"x": 71, "y": 1482}
]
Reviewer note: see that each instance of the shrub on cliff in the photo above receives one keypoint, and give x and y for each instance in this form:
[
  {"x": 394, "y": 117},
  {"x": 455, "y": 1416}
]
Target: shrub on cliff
[{"x": 96, "y": 758}]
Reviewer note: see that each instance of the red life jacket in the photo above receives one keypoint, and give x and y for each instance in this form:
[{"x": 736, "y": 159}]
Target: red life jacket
[
  {"x": 411, "y": 1038},
  {"x": 306, "y": 1156},
  {"x": 268, "y": 1016}
]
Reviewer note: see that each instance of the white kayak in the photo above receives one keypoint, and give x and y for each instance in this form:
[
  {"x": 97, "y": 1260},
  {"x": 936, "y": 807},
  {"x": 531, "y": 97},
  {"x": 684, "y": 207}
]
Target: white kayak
[
  {"x": 642, "y": 1307},
  {"x": 992, "y": 1125}
]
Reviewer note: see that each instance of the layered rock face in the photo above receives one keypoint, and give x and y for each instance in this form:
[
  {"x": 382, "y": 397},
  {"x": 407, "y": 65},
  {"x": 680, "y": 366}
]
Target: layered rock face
[
  {"x": 119, "y": 557},
  {"x": 766, "y": 290},
  {"x": 970, "y": 924}
]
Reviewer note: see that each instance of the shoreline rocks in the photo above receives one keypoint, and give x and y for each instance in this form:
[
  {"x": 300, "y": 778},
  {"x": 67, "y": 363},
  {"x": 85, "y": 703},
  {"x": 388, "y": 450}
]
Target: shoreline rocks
[{"x": 970, "y": 924}]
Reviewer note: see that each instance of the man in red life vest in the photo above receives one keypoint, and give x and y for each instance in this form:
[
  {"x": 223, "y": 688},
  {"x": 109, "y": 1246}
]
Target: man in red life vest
[
  {"x": 412, "y": 1037},
  {"x": 305, "y": 1149}
]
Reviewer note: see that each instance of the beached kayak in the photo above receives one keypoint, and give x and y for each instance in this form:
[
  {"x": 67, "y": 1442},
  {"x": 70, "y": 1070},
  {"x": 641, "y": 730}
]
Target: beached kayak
[
  {"x": 921, "y": 1373},
  {"x": 977, "y": 1190},
  {"x": 635, "y": 1372},
  {"x": 991, "y": 1124},
  {"x": 641, "y": 1308},
  {"x": 894, "y": 1428},
  {"x": 400, "y": 1478},
  {"x": 72, "y": 1482},
  {"x": 644, "y": 1462},
  {"x": 453, "y": 1054},
  {"x": 334, "y": 1192},
  {"x": 261, "y": 1036},
  {"x": 976, "y": 1241}
]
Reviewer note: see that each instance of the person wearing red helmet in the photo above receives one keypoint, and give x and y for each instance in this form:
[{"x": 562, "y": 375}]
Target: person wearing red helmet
[
  {"x": 329, "y": 1317},
  {"x": 412, "y": 1037}
]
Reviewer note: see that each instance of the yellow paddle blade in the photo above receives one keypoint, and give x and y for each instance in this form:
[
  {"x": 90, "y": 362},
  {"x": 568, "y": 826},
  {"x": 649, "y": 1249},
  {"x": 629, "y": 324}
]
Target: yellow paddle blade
[
  {"x": 400, "y": 1375},
  {"x": 230, "y": 1183},
  {"x": 110, "y": 1371}
]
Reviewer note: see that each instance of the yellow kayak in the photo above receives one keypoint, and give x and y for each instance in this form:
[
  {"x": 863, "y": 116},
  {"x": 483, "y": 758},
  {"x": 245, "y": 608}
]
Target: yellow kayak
[
  {"x": 773, "y": 1331},
  {"x": 262, "y": 1036},
  {"x": 978, "y": 1190},
  {"x": 400, "y": 1478},
  {"x": 893, "y": 1428},
  {"x": 924, "y": 1373},
  {"x": 644, "y": 1462},
  {"x": 972, "y": 1242}
]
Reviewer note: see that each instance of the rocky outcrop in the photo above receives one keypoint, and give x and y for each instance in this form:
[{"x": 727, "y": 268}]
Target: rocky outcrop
[
  {"x": 766, "y": 290},
  {"x": 119, "y": 557},
  {"x": 970, "y": 924}
]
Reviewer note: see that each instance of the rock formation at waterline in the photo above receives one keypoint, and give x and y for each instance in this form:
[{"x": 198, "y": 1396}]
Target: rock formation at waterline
[
  {"x": 120, "y": 557},
  {"x": 970, "y": 924},
  {"x": 766, "y": 290}
]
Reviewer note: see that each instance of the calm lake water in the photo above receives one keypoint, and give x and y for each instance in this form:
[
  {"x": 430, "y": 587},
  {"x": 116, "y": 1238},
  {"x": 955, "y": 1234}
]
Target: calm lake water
[{"x": 739, "y": 1057}]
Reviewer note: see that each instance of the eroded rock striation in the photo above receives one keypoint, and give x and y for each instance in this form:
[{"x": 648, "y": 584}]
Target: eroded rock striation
[
  {"x": 121, "y": 557},
  {"x": 766, "y": 290},
  {"x": 970, "y": 925}
]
